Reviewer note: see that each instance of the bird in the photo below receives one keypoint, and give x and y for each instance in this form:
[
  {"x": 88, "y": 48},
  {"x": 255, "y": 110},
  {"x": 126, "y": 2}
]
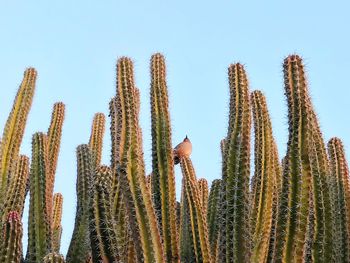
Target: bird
[{"x": 183, "y": 149}]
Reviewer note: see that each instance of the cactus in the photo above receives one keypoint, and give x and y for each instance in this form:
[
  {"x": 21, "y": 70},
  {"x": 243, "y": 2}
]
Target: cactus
[
  {"x": 96, "y": 137},
  {"x": 56, "y": 222},
  {"x": 264, "y": 182},
  {"x": 304, "y": 199},
  {"x": 213, "y": 214},
  {"x": 102, "y": 225},
  {"x": 163, "y": 176},
  {"x": 39, "y": 228},
  {"x": 53, "y": 258},
  {"x": 235, "y": 241},
  {"x": 11, "y": 239},
  {"x": 130, "y": 172},
  {"x": 340, "y": 183},
  {"x": 196, "y": 216},
  {"x": 203, "y": 194},
  {"x": 13, "y": 132},
  {"x": 79, "y": 248},
  {"x": 15, "y": 195}
]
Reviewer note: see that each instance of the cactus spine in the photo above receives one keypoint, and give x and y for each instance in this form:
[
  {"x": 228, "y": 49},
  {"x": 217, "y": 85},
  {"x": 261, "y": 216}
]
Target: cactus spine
[
  {"x": 163, "y": 176},
  {"x": 56, "y": 222},
  {"x": 39, "y": 228},
  {"x": 264, "y": 179},
  {"x": 235, "y": 244},
  {"x": 14, "y": 129},
  {"x": 197, "y": 217},
  {"x": 341, "y": 200},
  {"x": 11, "y": 239},
  {"x": 79, "y": 248},
  {"x": 53, "y": 258},
  {"x": 102, "y": 225}
]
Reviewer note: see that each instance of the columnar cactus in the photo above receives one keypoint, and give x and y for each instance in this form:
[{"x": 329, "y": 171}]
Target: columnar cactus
[
  {"x": 56, "y": 222},
  {"x": 264, "y": 182},
  {"x": 304, "y": 209},
  {"x": 213, "y": 215},
  {"x": 79, "y": 248},
  {"x": 235, "y": 241},
  {"x": 15, "y": 195},
  {"x": 340, "y": 183},
  {"x": 203, "y": 193},
  {"x": 54, "y": 135},
  {"x": 103, "y": 239},
  {"x": 197, "y": 217},
  {"x": 96, "y": 137},
  {"x": 39, "y": 227},
  {"x": 163, "y": 176},
  {"x": 131, "y": 172},
  {"x": 11, "y": 239},
  {"x": 14, "y": 129}
]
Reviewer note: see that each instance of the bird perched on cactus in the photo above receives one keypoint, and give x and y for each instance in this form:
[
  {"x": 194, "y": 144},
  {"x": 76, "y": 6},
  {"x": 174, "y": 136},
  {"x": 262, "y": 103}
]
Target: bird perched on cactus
[{"x": 183, "y": 149}]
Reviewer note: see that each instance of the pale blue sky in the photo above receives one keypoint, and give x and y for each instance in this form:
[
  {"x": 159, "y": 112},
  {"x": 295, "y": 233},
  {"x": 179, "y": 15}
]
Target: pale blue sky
[{"x": 74, "y": 46}]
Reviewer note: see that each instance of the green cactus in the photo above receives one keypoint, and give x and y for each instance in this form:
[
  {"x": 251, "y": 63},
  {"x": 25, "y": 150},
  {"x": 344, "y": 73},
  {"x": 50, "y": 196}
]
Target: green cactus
[
  {"x": 15, "y": 195},
  {"x": 163, "y": 176},
  {"x": 11, "y": 239},
  {"x": 96, "y": 137},
  {"x": 203, "y": 194},
  {"x": 56, "y": 222},
  {"x": 13, "y": 132},
  {"x": 213, "y": 214},
  {"x": 340, "y": 183},
  {"x": 264, "y": 182},
  {"x": 235, "y": 241},
  {"x": 130, "y": 172},
  {"x": 102, "y": 225},
  {"x": 79, "y": 248},
  {"x": 53, "y": 258},
  {"x": 196, "y": 216},
  {"x": 54, "y": 135},
  {"x": 304, "y": 209},
  {"x": 39, "y": 228}
]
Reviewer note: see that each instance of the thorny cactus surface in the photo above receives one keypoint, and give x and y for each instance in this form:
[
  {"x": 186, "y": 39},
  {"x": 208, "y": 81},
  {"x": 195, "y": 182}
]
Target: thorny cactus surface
[{"x": 296, "y": 210}]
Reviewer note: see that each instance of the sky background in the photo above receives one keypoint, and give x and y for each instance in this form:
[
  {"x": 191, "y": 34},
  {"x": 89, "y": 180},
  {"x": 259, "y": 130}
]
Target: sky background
[{"x": 74, "y": 46}]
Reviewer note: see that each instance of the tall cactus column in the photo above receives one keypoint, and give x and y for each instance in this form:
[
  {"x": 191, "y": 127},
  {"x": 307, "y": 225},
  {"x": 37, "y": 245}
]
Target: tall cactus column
[
  {"x": 235, "y": 241},
  {"x": 14, "y": 130},
  {"x": 131, "y": 172},
  {"x": 264, "y": 186},
  {"x": 304, "y": 209},
  {"x": 163, "y": 176}
]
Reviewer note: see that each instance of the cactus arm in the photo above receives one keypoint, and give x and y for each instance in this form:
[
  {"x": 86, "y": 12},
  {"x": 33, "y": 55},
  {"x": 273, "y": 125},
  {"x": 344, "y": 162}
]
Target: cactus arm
[
  {"x": 14, "y": 130},
  {"x": 204, "y": 194},
  {"x": 96, "y": 137},
  {"x": 235, "y": 238},
  {"x": 163, "y": 176},
  {"x": 79, "y": 248},
  {"x": 340, "y": 200},
  {"x": 264, "y": 179},
  {"x": 197, "y": 218},
  {"x": 56, "y": 222},
  {"x": 102, "y": 225},
  {"x": 15, "y": 196},
  {"x": 39, "y": 228},
  {"x": 11, "y": 239}
]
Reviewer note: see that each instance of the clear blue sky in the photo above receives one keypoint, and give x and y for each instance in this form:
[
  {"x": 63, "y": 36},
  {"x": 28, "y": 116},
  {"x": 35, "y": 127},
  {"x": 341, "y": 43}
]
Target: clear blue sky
[{"x": 74, "y": 46}]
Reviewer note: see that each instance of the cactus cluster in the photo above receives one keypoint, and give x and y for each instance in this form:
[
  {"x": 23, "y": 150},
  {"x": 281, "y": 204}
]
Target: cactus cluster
[{"x": 294, "y": 210}]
